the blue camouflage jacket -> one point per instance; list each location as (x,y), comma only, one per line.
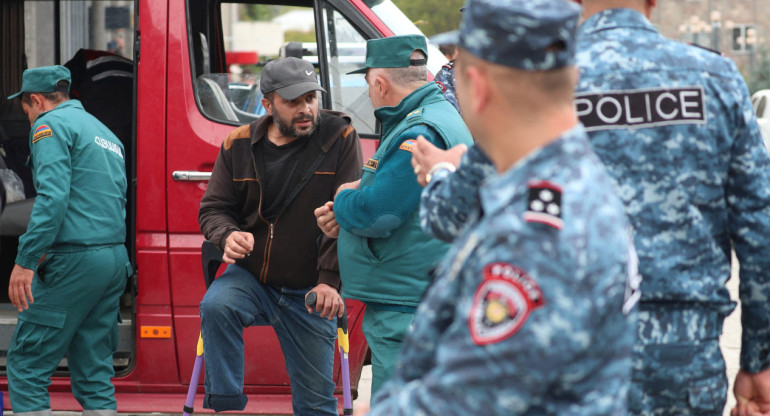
(695,185)
(450,198)
(526,315)
(445,78)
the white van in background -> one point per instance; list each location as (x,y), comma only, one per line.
(761,102)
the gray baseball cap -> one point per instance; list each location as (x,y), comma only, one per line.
(289,77)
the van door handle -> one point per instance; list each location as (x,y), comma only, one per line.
(190,176)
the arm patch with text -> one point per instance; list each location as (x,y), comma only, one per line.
(407,145)
(41,133)
(502,303)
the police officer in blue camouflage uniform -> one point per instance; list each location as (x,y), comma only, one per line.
(531,311)
(674,125)
(446,80)
(71,266)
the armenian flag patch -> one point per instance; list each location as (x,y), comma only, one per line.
(41,133)
(407,145)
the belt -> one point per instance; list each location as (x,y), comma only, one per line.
(71,248)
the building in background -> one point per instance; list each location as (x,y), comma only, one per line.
(740,29)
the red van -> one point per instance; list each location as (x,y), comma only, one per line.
(195,77)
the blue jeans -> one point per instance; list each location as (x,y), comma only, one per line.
(237,300)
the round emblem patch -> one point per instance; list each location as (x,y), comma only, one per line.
(502,303)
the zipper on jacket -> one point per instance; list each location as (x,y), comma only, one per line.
(268,248)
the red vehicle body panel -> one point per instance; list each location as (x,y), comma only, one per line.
(173,135)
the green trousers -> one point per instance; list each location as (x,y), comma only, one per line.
(384,331)
(77,291)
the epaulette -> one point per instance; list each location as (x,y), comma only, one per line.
(414,115)
(706,49)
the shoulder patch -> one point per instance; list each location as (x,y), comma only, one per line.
(243,132)
(416,114)
(407,145)
(695,45)
(41,133)
(544,204)
(502,303)
(371,164)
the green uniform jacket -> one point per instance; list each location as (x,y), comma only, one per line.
(384,255)
(80,177)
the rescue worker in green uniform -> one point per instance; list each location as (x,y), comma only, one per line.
(384,256)
(71,266)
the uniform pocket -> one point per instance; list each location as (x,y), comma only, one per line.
(37,326)
(42,269)
(709,394)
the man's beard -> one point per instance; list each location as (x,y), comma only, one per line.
(288,129)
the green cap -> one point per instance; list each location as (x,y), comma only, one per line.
(44,79)
(393,52)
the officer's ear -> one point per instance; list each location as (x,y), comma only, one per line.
(479,87)
(36,101)
(649,5)
(381,85)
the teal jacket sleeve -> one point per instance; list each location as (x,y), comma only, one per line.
(376,210)
(52,171)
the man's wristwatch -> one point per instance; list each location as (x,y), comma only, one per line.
(438,166)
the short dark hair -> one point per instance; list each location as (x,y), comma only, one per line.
(61,93)
(448,49)
(54,97)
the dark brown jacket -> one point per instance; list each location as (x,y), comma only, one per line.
(291,251)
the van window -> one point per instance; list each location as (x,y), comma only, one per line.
(397,21)
(229,53)
(346,51)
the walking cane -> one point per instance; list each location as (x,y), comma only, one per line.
(211,257)
(344,346)
(196,374)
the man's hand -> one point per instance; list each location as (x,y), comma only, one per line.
(328,302)
(349,185)
(361,410)
(20,287)
(237,246)
(752,394)
(324,216)
(425,155)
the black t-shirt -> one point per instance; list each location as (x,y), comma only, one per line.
(279,164)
